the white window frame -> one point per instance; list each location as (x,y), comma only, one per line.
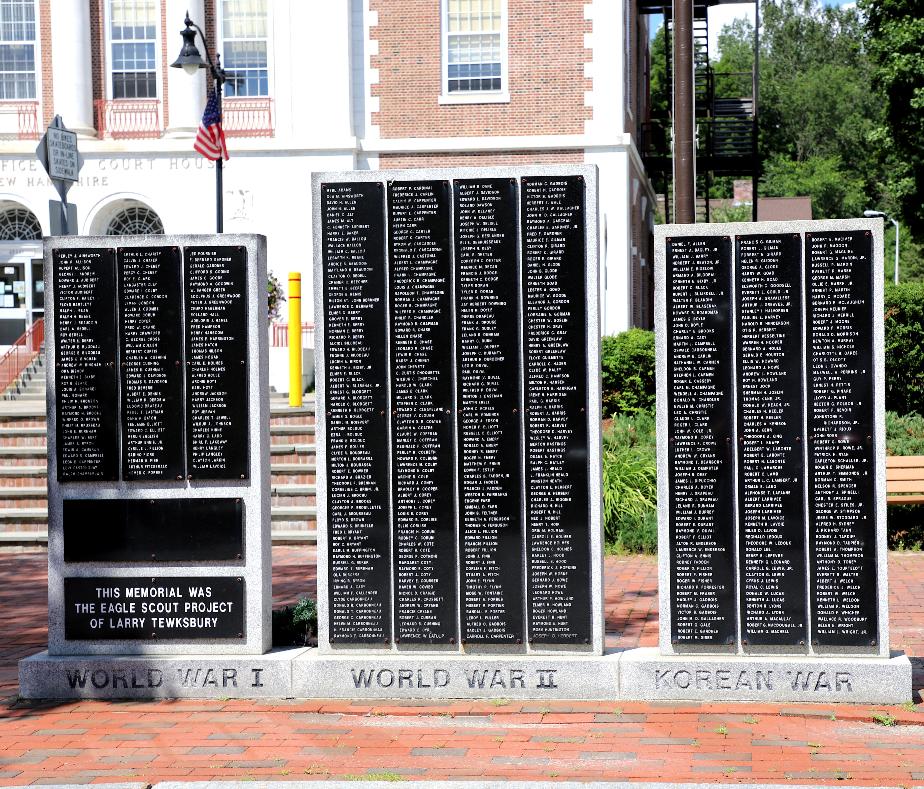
(158,66)
(220,23)
(501,96)
(36,58)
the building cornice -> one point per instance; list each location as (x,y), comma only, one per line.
(524,142)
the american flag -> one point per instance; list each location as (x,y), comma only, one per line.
(210,140)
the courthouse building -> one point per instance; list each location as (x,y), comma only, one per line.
(333,85)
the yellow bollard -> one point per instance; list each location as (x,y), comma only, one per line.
(295,339)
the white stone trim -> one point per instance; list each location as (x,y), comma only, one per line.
(525,142)
(373,103)
(606,41)
(485,97)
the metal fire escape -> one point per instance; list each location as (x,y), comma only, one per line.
(726,116)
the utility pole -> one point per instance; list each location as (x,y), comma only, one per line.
(684,114)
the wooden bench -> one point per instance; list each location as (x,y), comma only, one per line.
(905,479)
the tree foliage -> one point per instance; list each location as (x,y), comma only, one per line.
(895,37)
(836,190)
(817,110)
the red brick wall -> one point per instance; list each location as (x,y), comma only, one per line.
(98,48)
(394,161)
(210,28)
(166,42)
(47,98)
(546,58)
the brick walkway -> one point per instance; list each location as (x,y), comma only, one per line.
(105,742)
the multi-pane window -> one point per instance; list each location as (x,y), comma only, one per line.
(135,220)
(243,27)
(474,31)
(17,49)
(133,36)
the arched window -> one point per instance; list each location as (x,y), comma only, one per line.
(19,224)
(135,220)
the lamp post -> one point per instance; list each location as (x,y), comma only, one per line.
(191,61)
(884,215)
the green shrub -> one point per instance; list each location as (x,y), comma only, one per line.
(905,527)
(904,434)
(628,368)
(904,347)
(638,430)
(630,487)
(296,625)
(274,297)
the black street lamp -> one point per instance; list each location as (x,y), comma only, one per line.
(191,61)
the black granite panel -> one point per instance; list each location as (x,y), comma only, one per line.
(217,417)
(86,384)
(184,608)
(153,530)
(150,363)
(488,395)
(555,367)
(355,401)
(771,478)
(841,423)
(700,456)
(420,334)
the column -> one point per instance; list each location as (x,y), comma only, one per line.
(185,93)
(71,72)
(318,39)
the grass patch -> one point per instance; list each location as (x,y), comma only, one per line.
(883,719)
(630,485)
(382,775)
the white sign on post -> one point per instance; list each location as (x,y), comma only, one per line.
(57,151)
(61,150)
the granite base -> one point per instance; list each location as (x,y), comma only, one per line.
(647,675)
(639,674)
(158,676)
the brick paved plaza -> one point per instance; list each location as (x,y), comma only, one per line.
(106,742)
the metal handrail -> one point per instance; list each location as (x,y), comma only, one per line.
(26,113)
(128,119)
(21,353)
(279,335)
(247,117)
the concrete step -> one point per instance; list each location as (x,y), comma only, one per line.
(16,436)
(25,534)
(294,514)
(33,451)
(24,497)
(24,515)
(37,534)
(293,434)
(295,537)
(291,496)
(292,453)
(15,433)
(22,476)
(280,413)
(293,474)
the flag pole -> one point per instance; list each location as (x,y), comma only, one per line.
(219,162)
(190,60)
